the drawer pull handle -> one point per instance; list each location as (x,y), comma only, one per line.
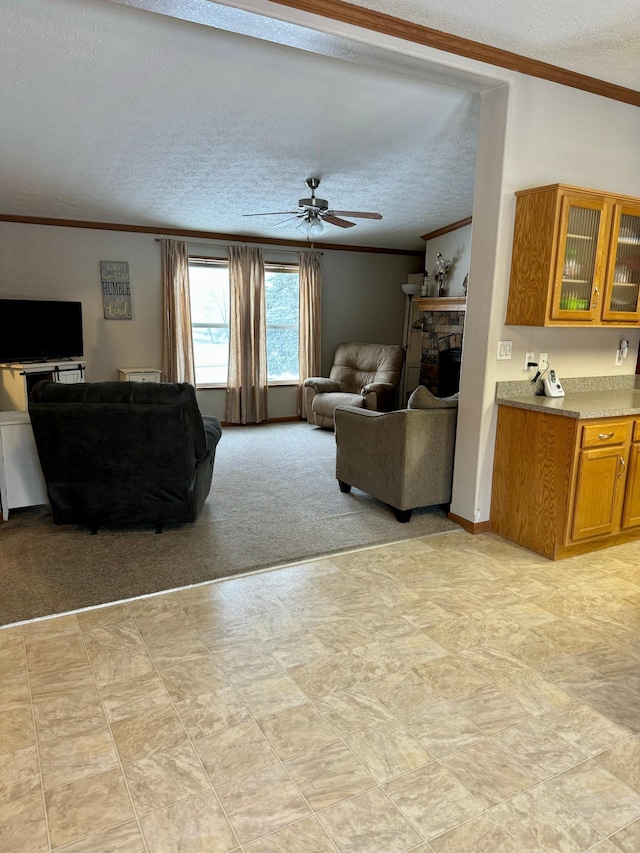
(622,467)
(605,435)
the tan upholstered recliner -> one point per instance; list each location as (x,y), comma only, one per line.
(363,375)
(404,458)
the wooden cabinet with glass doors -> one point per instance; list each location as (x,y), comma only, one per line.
(576,259)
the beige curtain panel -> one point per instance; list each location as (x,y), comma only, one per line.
(309,321)
(247,383)
(177,343)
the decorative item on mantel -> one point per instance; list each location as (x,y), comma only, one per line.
(425,287)
(442,267)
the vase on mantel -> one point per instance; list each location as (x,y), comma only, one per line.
(425,287)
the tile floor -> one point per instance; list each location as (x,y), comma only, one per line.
(442,695)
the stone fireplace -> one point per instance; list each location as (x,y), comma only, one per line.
(441,342)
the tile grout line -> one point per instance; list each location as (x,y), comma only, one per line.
(36,740)
(339,739)
(120,765)
(278,760)
(189,740)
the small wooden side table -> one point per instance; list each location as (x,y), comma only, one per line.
(139,374)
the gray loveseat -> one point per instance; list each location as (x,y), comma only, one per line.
(404,458)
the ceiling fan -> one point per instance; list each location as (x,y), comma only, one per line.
(314,212)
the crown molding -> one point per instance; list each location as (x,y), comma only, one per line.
(380,22)
(447,228)
(159,231)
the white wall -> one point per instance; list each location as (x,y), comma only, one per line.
(45,262)
(532,133)
(362,297)
(455,246)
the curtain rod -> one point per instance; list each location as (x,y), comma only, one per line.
(266,246)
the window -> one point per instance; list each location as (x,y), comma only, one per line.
(209,285)
(282,298)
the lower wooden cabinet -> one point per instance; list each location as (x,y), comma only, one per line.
(631,511)
(564,486)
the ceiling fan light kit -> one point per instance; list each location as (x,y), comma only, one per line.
(311,225)
(314,212)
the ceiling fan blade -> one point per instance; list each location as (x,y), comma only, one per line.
(357,214)
(271,213)
(334,220)
(284,221)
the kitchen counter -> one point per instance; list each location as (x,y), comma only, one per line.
(585,396)
(581,404)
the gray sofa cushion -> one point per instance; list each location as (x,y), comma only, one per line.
(422,398)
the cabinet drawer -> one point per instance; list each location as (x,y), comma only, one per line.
(636,431)
(604,434)
(142,377)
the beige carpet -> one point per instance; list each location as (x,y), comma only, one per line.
(274,500)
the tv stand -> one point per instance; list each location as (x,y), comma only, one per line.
(21,480)
(18,378)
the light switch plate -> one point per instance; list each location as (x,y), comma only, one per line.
(504,350)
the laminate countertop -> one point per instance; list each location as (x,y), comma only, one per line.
(581,404)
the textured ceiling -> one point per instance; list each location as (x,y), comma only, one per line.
(600,39)
(111,112)
(115,114)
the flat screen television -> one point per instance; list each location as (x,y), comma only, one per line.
(40,330)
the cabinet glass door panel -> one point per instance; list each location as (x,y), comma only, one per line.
(580,254)
(623,275)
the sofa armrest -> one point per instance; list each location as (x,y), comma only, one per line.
(323,385)
(379,395)
(366,413)
(213,432)
(378,388)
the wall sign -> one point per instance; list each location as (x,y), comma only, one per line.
(116,290)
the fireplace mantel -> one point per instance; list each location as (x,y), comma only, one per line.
(442,303)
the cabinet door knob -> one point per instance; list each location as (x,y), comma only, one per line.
(605,435)
(622,467)
(597,297)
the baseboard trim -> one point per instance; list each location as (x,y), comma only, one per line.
(470,526)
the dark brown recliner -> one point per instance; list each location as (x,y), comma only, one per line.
(363,375)
(123,452)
